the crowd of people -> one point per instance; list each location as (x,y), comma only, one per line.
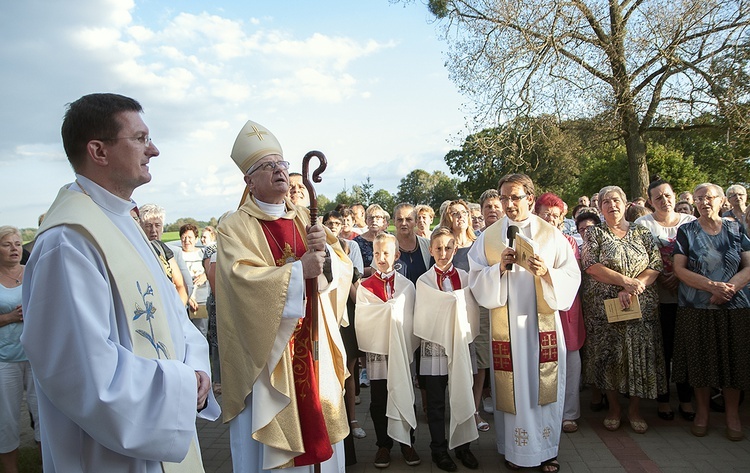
(507,307)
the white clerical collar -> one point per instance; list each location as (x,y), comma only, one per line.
(103,198)
(274,210)
(522,223)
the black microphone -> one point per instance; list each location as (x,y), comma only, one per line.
(512,230)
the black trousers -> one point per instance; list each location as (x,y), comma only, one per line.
(435,386)
(378,403)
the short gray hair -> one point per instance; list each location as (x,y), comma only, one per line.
(731,190)
(716,187)
(609,189)
(151,211)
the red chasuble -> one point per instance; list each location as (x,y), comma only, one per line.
(287,246)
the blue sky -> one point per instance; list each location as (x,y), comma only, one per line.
(363,81)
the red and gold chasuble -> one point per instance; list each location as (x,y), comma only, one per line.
(287,246)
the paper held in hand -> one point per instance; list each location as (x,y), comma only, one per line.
(615,312)
(525,249)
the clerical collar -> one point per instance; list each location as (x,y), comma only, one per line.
(274,210)
(521,224)
(103,198)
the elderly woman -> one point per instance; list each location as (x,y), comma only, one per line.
(712,262)
(377,221)
(551,209)
(737,198)
(663,224)
(622,262)
(15,371)
(492,209)
(208,236)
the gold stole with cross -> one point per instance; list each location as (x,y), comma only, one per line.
(133,281)
(502,360)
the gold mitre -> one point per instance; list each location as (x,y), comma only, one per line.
(253,143)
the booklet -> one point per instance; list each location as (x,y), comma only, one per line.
(525,249)
(615,312)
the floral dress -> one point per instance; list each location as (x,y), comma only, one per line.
(623,356)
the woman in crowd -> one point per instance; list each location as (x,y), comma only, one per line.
(456,216)
(377,221)
(193,258)
(550,208)
(663,224)
(492,209)
(737,199)
(712,262)
(15,371)
(622,262)
(208,236)
(425,216)
(335,222)
(347,224)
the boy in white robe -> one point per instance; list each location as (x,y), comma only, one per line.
(383,322)
(446,317)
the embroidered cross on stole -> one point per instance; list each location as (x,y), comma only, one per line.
(287,246)
(146,316)
(502,359)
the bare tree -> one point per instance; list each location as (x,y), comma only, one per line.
(641,62)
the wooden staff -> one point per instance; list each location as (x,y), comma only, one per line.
(312,283)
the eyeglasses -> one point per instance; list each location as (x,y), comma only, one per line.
(269,166)
(477,218)
(376,217)
(706,198)
(515,198)
(459,213)
(547,215)
(145,140)
(332,223)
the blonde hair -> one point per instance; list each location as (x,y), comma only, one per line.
(424,208)
(445,220)
(374,208)
(6,230)
(440,231)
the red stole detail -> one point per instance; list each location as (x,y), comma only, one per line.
(451,274)
(285,243)
(380,286)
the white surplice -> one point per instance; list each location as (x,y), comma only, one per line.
(533,434)
(386,328)
(451,320)
(101,407)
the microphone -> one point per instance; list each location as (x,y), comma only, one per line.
(512,230)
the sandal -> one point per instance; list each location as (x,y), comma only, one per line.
(511,466)
(357,431)
(569,426)
(482,425)
(638,426)
(550,466)
(611,424)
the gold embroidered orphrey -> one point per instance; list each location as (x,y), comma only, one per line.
(505,399)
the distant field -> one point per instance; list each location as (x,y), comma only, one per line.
(170,236)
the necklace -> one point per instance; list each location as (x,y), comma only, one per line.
(288,254)
(15,278)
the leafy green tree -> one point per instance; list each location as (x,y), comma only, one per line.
(415,188)
(638,62)
(384,199)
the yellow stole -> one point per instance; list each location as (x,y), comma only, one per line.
(133,281)
(502,361)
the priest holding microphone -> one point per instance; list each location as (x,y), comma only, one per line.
(524,290)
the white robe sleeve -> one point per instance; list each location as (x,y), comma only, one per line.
(487,285)
(80,350)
